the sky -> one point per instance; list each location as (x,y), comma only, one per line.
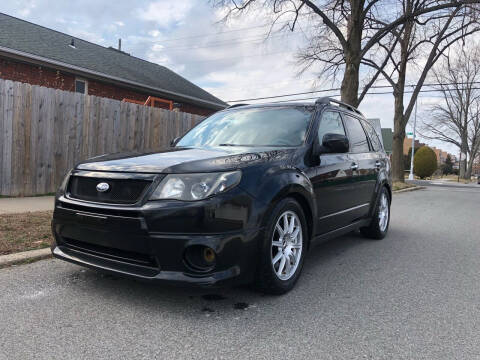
(233,60)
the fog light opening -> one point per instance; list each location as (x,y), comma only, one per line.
(209,255)
(200,258)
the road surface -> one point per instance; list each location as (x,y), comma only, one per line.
(413,295)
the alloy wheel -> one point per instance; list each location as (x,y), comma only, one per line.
(287,242)
(383,213)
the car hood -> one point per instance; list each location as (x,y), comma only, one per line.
(185,160)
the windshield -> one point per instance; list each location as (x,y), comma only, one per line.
(265,126)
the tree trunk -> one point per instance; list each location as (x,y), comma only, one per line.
(350,83)
(398,171)
(470,163)
(352,52)
(463,163)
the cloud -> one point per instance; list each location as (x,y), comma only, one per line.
(26,8)
(165,12)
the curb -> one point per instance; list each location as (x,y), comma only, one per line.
(23,257)
(409,189)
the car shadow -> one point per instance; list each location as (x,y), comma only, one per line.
(317,272)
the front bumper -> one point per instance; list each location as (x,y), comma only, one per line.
(148,242)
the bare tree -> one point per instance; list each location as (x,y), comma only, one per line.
(346,31)
(422,41)
(457,119)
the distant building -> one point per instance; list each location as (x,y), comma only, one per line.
(387,139)
(376,124)
(407,144)
(476,167)
(440,154)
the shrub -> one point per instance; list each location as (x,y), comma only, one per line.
(407,158)
(424,162)
(447,167)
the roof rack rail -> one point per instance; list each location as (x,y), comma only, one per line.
(236,105)
(326,101)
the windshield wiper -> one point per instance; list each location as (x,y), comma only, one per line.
(228,144)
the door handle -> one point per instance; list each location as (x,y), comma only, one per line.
(354,166)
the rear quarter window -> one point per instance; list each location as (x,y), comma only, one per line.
(356,135)
(373,135)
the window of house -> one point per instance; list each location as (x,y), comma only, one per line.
(358,139)
(81,86)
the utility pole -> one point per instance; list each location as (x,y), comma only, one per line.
(410,176)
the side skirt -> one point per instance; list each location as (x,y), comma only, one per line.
(341,231)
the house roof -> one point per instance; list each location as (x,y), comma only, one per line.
(39,43)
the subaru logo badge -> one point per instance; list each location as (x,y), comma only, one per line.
(102,187)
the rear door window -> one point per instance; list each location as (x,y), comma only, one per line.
(356,135)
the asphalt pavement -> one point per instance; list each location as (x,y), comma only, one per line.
(442,182)
(413,295)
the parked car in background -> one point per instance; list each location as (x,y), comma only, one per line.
(240,198)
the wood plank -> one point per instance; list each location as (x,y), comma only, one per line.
(2,135)
(6,175)
(18,138)
(60,119)
(86,126)
(27,169)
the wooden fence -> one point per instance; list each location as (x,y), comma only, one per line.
(44,132)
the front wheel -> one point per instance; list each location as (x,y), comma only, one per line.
(283,248)
(378,227)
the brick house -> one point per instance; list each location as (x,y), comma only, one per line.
(40,56)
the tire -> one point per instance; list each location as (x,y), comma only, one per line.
(378,227)
(286,251)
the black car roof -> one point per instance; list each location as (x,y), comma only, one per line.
(296,104)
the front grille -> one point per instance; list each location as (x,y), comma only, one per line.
(131,257)
(121,191)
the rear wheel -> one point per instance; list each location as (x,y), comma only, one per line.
(378,227)
(283,248)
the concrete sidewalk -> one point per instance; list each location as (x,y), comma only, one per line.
(26,204)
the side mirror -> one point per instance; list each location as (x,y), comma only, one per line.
(335,143)
(174,141)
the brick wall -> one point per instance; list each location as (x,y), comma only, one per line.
(43,76)
(36,75)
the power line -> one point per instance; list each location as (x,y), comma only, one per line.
(373,87)
(236,57)
(370,93)
(228,42)
(227,31)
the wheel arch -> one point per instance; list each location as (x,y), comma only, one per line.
(299,195)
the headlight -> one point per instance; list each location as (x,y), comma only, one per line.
(63,186)
(191,187)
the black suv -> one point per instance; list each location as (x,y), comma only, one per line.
(240,198)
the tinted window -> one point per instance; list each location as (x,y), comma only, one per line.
(331,123)
(265,126)
(356,134)
(372,134)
